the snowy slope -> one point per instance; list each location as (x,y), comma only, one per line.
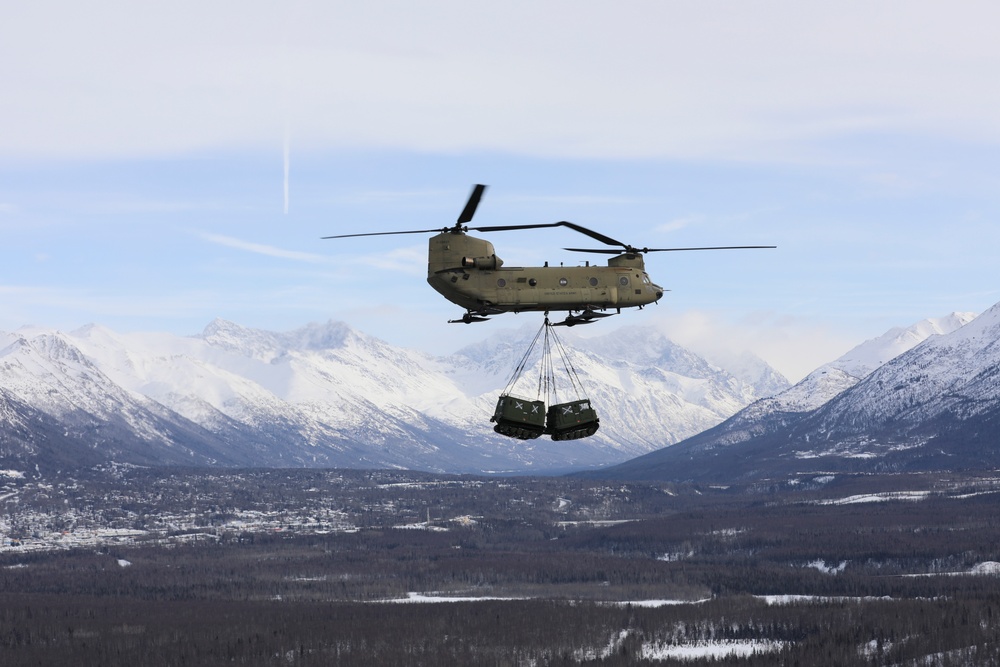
(29,437)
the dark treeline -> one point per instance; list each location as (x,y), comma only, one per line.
(882,583)
(51,629)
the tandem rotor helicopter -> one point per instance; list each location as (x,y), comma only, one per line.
(466,271)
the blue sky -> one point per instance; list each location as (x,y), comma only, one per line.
(146,154)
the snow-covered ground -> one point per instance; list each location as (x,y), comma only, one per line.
(877,498)
(432,598)
(708,649)
(681,650)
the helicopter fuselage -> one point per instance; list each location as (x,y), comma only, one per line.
(466,271)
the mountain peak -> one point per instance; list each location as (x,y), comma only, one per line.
(986,326)
(13,343)
(232,337)
(327,335)
(221,327)
(862,360)
(88,329)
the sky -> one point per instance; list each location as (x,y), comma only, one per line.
(164,164)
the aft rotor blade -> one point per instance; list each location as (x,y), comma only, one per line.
(412,231)
(605,251)
(470,206)
(723,247)
(597,236)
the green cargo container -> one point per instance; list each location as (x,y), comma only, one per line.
(571,421)
(519,417)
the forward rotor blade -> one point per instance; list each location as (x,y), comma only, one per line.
(412,231)
(597,236)
(472,204)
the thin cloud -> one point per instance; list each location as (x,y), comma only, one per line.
(575,200)
(411,260)
(794,346)
(261,249)
(676,224)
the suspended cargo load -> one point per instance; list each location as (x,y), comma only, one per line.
(526,419)
(572,421)
(519,417)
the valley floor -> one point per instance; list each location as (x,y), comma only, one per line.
(125,566)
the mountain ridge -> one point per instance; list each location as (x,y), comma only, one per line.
(328,395)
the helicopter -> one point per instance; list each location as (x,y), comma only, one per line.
(467,271)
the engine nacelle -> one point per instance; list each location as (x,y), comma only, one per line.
(488,263)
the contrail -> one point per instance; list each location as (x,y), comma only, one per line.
(287,150)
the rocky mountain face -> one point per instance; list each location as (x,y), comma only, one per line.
(327,395)
(934,405)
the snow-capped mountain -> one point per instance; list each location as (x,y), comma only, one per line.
(935,404)
(921,398)
(52,376)
(328,395)
(784,408)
